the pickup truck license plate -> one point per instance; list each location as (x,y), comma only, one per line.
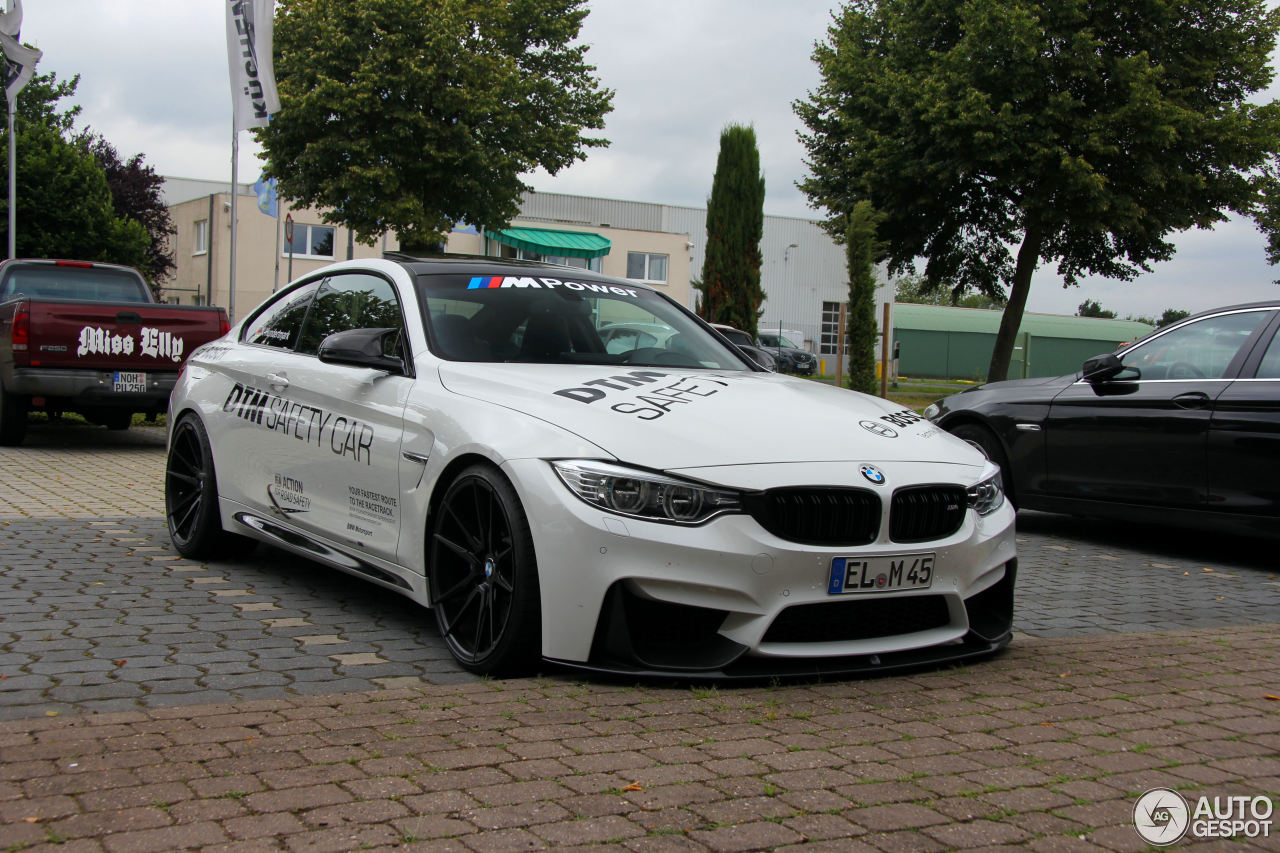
(128,381)
(880,574)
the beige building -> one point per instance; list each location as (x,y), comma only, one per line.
(266,260)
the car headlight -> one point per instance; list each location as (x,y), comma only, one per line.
(644,494)
(931,411)
(988,496)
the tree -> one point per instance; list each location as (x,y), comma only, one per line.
(731,290)
(862,250)
(136,195)
(64,204)
(917,290)
(997,135)
(1089,308)
(412,115)
(65,207)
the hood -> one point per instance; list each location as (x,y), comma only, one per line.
(669,418)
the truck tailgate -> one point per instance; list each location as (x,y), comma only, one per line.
(73,333)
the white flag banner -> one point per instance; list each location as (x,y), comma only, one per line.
(253,79)
(11,18)
(19,66)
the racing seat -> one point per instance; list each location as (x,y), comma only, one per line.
(546,338)
(457,339)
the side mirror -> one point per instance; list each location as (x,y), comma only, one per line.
(1104,368)
(360,348)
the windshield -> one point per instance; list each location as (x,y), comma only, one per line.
(776,341)
(544,320)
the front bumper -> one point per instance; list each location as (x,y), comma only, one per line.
(728,598)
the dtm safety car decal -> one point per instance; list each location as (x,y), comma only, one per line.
(155,343)
(344,436)
(658,397)
(482,282)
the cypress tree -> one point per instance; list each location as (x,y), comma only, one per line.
(862,248)
(731,291)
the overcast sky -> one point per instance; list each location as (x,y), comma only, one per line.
(153,80)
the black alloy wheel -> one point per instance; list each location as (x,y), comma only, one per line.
(191,495)
(483,575)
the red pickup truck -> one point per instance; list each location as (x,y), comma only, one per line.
(90,338)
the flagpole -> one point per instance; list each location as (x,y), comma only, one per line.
(235,179)
(13,192)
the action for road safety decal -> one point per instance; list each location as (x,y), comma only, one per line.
(344,436)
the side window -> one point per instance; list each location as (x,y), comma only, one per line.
(278,323)
(349,301)
(1270,366)
(1200,350)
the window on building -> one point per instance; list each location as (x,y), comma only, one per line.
(829,342)
(200,244)
(592,264)
(311,241)
(643,266)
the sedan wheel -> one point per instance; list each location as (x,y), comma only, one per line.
(483,575)
(986,439)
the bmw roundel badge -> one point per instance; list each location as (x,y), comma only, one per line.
(873,475)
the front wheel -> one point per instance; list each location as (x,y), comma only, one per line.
(483,575)
(191,495)
(991,446)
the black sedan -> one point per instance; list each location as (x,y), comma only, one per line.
(1181,427)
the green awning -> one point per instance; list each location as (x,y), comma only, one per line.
(544,241)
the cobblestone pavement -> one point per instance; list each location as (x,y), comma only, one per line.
(156,703)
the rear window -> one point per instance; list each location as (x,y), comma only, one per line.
(47,281)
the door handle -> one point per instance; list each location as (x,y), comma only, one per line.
(1191,400)
(278,380)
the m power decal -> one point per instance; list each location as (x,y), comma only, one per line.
(652,394)
(484,282)
(343,436)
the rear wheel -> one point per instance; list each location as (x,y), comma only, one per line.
(483,575)
(191,496)
(986,439)
(13,419)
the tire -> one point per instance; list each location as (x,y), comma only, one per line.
(191,496)
(13,419)
(117,421)
(483,575)
(986,439)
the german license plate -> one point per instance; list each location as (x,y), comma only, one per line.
(880,574)
(128,381)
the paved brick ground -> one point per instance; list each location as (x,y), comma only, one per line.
(1144,658)
(1045,748)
